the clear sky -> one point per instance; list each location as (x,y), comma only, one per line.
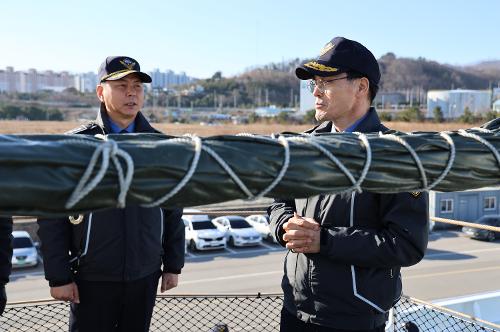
(202,37)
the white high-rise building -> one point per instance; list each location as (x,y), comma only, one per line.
(32,81)
(8,80)
(167,79)
(86,82)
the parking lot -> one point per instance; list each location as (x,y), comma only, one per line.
(454,265)
(264,246)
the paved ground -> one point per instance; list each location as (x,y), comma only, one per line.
(454,266)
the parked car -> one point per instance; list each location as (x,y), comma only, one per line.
(201,233)
(238,231)
(25,250)
(261,223)
(482,234)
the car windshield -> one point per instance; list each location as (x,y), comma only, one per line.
(488,221)
(239,223)
(204,224)
(22,242)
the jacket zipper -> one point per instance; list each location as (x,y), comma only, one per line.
(161,226)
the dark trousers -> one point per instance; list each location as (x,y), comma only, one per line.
(290,323)
(114,306)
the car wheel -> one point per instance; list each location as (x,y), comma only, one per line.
(231,242)
(491,236)
(192,245)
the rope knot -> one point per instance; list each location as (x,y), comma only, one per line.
(106,151)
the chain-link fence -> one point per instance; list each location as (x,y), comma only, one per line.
(413,315)
(237,312)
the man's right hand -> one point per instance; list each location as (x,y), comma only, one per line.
(302,235)
(67,292)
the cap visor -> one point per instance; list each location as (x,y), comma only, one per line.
(308,70)
(304,73)
(145,78)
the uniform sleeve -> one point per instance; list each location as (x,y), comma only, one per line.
(173,241)
(55,237)
(5,249)
(400,241)
(279,213)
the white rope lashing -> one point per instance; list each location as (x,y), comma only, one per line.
(284,167)
(228,170)
(412,152)
(109,150)
(418,162)
(311,141)
(368,162)
(190,139)
(493,150)
(451,160)
(106,150)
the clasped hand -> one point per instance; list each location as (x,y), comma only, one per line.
(302,235)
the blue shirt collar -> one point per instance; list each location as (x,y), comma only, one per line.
(115,129)
(352,127)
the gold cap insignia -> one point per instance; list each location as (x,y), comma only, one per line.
(326,48)
(320,67)
(415,193)
(128,63)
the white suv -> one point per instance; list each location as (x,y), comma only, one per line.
(201,233)
(261,223)
(238,231)
(25,251)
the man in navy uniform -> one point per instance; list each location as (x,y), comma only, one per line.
(108,266)
(342,272)
(5,258)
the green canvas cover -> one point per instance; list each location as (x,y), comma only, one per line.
(40,173)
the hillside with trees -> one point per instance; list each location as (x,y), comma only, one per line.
(272,84)
(407,73)
(276,83)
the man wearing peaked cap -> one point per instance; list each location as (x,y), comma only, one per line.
(108,263)
(341,59)
(342,271)
(116,67)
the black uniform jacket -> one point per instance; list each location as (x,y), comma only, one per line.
(5,249)
(365,238)
(113,244)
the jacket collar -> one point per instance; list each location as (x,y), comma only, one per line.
(371,123)
(141,124)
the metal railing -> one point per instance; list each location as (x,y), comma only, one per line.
(259,312)
(245,212)
(415,315)
(241,312)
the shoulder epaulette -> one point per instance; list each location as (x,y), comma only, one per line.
(313,129)
(82,128)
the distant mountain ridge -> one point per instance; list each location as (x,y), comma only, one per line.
(407,73)
(276,84)
(490,68)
